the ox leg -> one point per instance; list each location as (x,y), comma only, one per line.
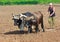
(42,26)
(29,29)
(28,23)
(37,29)
(21,27)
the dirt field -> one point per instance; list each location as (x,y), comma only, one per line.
(13,35)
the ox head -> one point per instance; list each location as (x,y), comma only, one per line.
(25,16)
(15,18)
(18,17)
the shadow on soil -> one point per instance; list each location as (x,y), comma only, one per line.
(17,32)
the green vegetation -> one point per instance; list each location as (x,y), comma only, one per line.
(17,2)
(48,1)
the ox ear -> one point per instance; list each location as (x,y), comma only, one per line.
(12,15)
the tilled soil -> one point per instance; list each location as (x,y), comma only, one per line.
(11,33)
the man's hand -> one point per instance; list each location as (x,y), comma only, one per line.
(51,15)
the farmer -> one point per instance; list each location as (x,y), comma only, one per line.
(51,11)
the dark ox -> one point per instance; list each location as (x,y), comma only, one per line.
(28,19)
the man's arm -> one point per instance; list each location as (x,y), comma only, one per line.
(53,11)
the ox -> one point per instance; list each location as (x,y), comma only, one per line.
(28,19)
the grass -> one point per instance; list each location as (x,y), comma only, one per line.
(48,1)
(17,2)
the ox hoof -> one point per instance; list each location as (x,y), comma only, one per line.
(22,32)
(43,30)
(37,31)
(29,30)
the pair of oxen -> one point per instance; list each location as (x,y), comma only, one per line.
(29,20)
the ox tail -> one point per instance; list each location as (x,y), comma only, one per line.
(42,23)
